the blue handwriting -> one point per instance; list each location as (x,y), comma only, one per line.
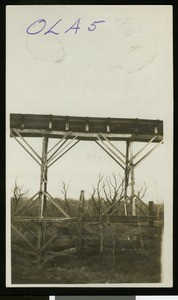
(32,30)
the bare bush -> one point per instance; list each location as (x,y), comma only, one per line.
(19,193)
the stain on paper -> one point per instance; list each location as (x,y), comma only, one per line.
(137,52)
(45,48)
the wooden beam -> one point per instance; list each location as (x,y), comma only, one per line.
(58,206)
(63,138)
(25,142)
(79,242)
(29,230)
(25,148)
(23,237)
(88,136)
(122,126)
(152,140)
(27,203)
(48,243)
(35,219)
(147,154)
(56,153)
(62,154)
(111,151)
(116,160)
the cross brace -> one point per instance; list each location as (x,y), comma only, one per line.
(48,157)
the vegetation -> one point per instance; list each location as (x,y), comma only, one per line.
(131,266)
(131,252)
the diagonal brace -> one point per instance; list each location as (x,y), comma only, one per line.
(25,148)
(144,146)
(63,153)
(64,137)
(113,205)
(25,205)
(23,237)
(28,145)
(110,155)
(32,233)
(109,149)
(147,154)
(58,206)
(106,139)
(55,154)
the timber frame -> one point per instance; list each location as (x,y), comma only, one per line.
(69,131)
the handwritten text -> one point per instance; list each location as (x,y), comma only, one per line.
(41,26)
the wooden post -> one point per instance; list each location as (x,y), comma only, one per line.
(132,180)
(101,235)
(43,179)
(113,246)
(151,213)
(42,200)
(79,243)
(39,240)
(126,178)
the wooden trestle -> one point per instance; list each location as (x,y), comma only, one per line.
(69,131)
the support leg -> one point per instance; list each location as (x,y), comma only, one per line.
(126,178)
(42,200)
(132,179)
(79,244)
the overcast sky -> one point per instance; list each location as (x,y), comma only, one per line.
(121,69)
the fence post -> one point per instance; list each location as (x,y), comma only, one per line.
(151,214)
(101,235)
(79,242)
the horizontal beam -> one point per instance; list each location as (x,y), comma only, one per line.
(87,128)
(116,219)
(87,136)
(44,220)
(87,219)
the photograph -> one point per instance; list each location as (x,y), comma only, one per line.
(89,146)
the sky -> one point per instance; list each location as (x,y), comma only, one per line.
(122,68)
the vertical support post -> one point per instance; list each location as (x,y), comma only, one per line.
(43,179)
(113,245)
(101,233)
(132,178)
(151,213)
(79,244)
(42,199)
(39,239)
(45,172)
(126,178)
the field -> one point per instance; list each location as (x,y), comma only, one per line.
(131,264)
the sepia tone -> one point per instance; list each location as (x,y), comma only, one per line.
(89,146)
(111,230)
